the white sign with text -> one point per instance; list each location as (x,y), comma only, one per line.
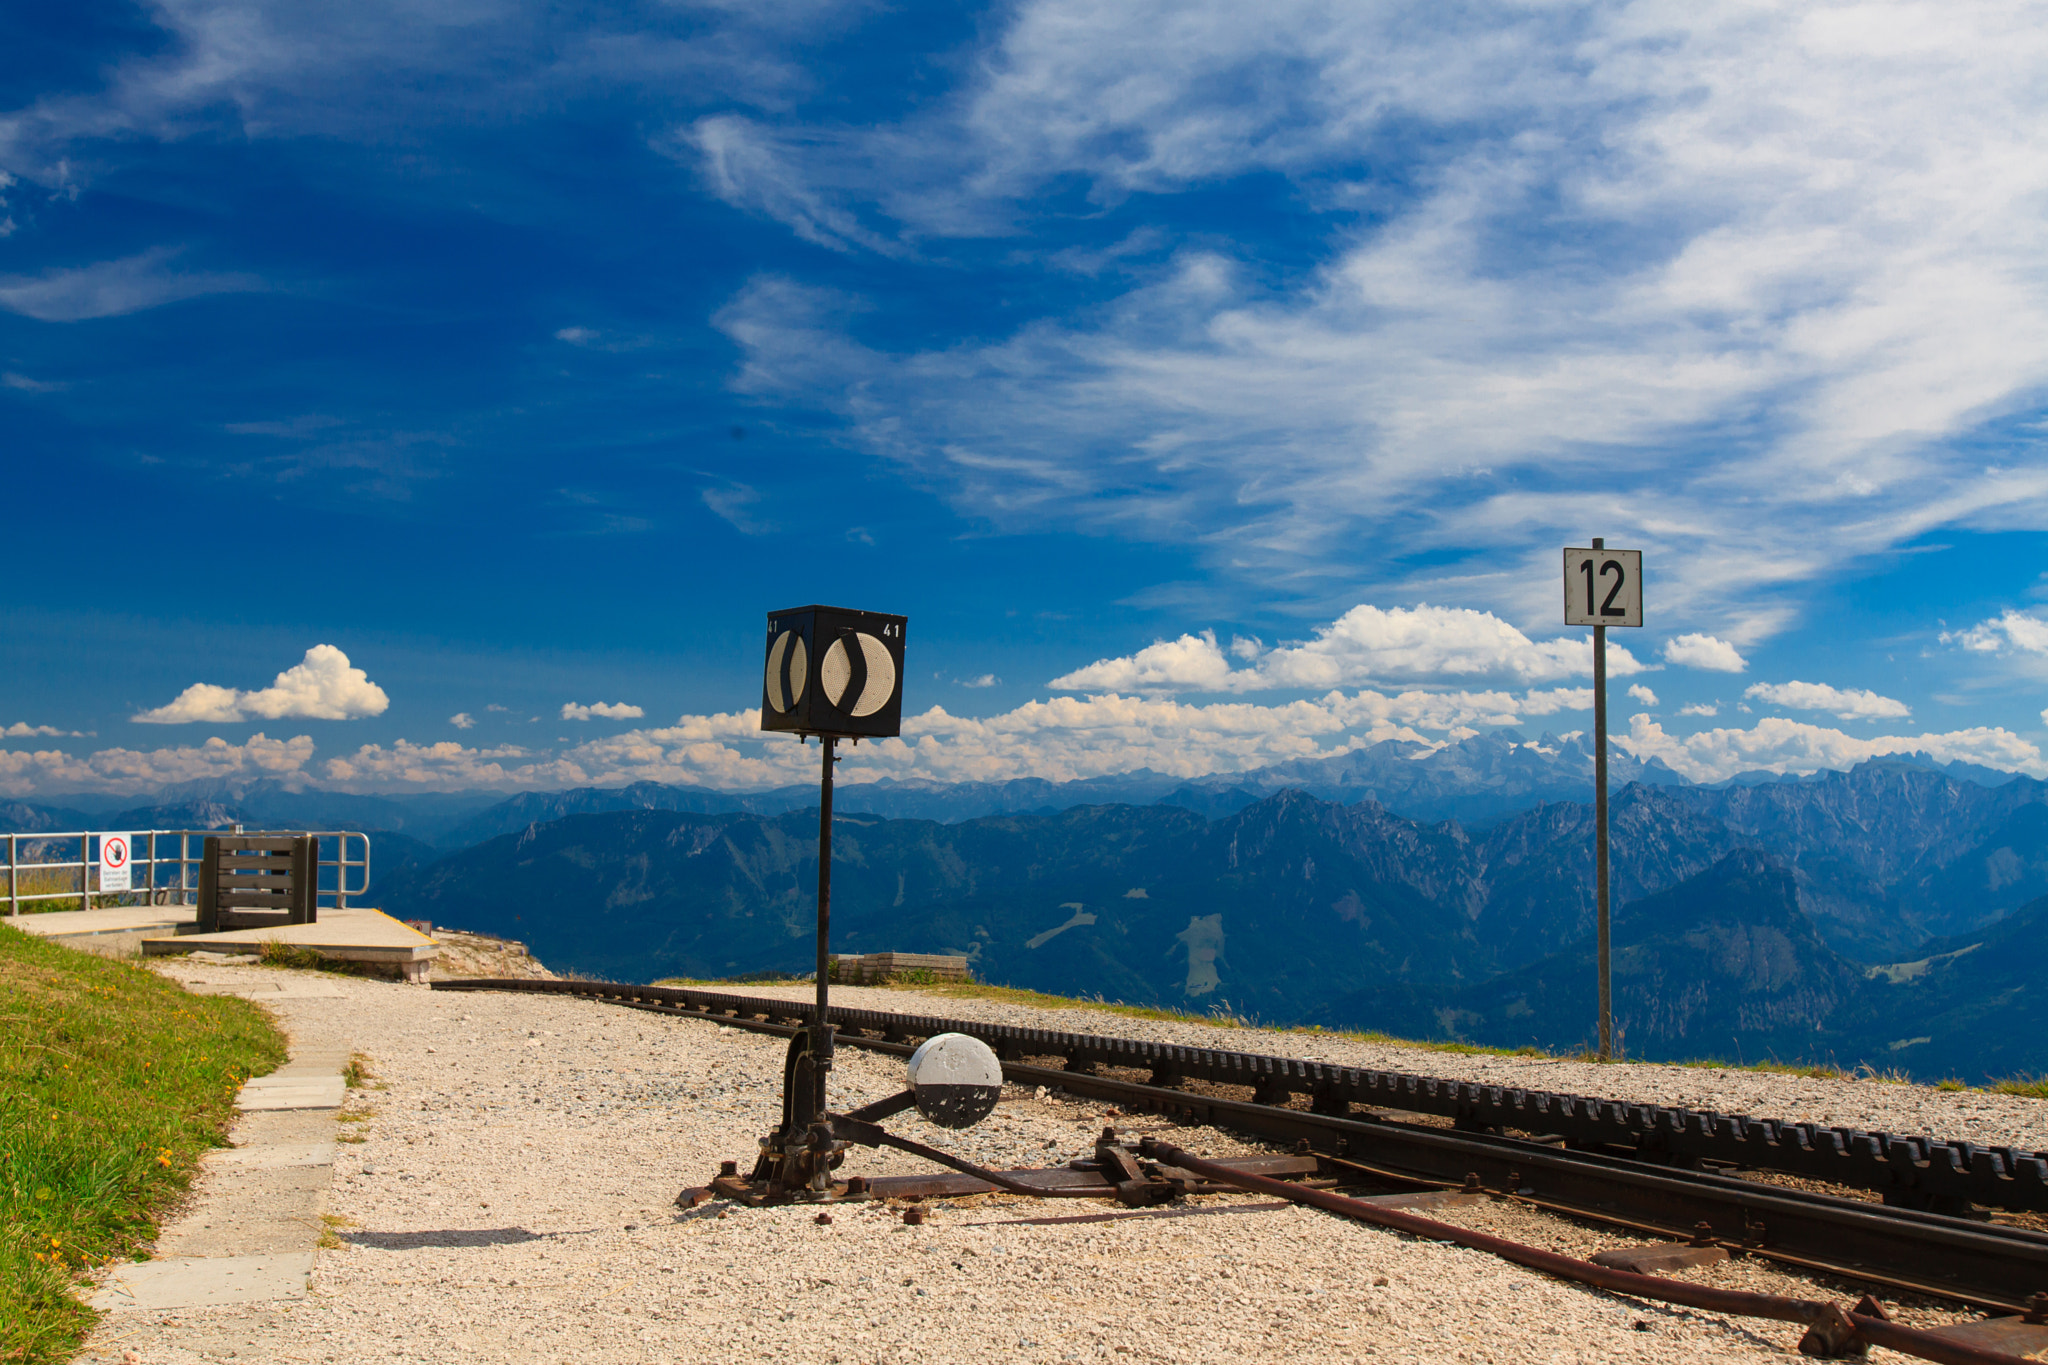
(1603,587)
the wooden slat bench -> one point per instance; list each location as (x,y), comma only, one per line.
(256,881)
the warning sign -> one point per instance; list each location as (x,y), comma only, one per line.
(114,872)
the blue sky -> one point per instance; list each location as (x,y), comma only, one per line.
(387,386)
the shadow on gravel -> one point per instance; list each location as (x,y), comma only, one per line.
(445,1237)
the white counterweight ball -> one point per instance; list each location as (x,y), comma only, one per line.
(957,1080)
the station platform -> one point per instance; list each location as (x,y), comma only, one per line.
(111,931)
(352,934)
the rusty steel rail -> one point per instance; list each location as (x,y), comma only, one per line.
(1919,1172)
(1832,1330)
(1993,1267)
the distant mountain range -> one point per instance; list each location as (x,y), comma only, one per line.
(1752,921)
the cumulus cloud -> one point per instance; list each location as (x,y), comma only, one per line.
(1060,739)
(608,710)
(1366,644)
(1845,703)
(1700,708)
(2015,630)
(1704,651)
(21,729)
(985,680)
(322,686)
(462,720)
(1779,745)
(1642,694)
(130,771)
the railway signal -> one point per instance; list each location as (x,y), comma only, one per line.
(1602,588)
(836,673)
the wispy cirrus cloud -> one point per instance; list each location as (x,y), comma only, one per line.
(1625,229)
(111,288)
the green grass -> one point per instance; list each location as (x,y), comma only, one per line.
(113,1082)
(276,953)
(2033,1087)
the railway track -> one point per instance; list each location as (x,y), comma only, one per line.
(1649,1191)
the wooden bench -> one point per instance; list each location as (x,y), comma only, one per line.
(258,881)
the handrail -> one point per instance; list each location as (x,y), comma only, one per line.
(146,860)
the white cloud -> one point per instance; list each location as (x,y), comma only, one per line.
(1779,745)
(132,771)
(1845,703)
(1365,644)
(576,336)
(1642,694)
(112,288)
(1636,225)
(2016,630)
(1060,739)
(21,729)
(752,168)
(322,686)
(985,680)
(1702,708)
(1704,651)
(462,720)
(608,710)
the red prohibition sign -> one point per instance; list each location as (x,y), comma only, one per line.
(113,853)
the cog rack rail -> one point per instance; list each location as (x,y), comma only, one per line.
(1916,1172)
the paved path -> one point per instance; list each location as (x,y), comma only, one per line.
(252,1231)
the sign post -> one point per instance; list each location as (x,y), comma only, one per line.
(1602,588)
(114,863)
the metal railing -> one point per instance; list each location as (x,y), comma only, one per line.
(176,852)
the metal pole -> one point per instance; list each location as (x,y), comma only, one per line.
(1600,830)
(13,891)
(829,745)
(85,871)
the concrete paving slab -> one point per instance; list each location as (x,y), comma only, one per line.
(308,989)
(274,1154)
(292,1093)
(203,1282)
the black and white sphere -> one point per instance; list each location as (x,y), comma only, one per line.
(957,1080)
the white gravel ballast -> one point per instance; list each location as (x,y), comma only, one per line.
(511,1199)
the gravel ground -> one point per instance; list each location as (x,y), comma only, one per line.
(1872,1105)
(510,1199)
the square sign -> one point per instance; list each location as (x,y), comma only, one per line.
(115,874)
(1603,587)
(834,671)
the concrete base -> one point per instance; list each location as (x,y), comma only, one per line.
(355,935)
(1660,1258)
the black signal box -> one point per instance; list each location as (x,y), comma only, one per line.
(834,672)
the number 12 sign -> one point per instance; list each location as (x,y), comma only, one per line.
(1603,587)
